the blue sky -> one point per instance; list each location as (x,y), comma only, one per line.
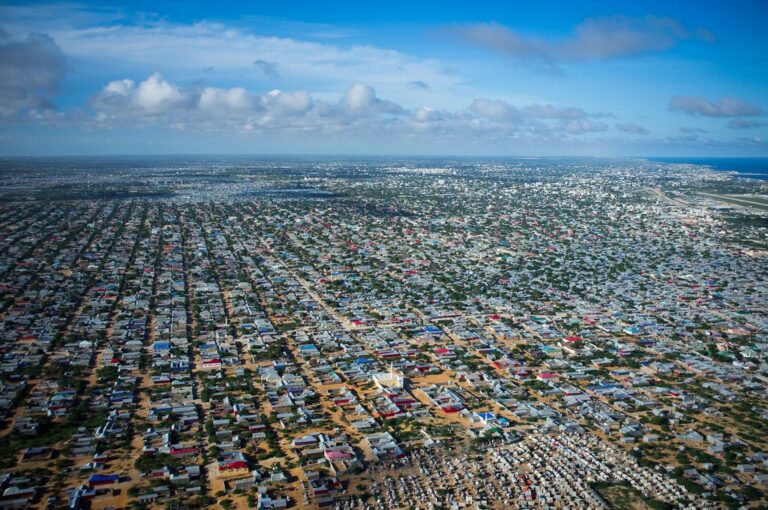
(597,78)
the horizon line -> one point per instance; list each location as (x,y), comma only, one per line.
(362,155)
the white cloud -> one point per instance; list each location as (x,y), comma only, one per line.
(497,110)
(235,99)
(181,51)
(357,110)
(288,103)
(155,94)
(159,101)
(359,97)
(120,87)
(427,114)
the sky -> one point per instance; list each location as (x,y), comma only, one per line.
(522,78)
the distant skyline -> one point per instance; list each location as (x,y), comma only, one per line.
(521,78)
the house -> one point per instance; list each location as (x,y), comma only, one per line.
(233,469)
(99,480)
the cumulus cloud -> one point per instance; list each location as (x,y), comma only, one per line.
(593,39)
(30,71)
(156,97)
(632,128)
(156,100)
(745,124)
(153,96)
(360,99)
(428,114)
(288,103)
(723,107)
(496,110)
(216,100)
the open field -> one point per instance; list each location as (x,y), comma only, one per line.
(750,202)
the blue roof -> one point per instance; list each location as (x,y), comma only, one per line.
(103,478)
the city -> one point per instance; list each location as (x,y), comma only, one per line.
(383,334)
(431,255)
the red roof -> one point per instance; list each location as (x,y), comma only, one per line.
(238,464)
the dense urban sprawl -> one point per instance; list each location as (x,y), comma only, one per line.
(361,335)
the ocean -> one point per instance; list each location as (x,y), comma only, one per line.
(754,168)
